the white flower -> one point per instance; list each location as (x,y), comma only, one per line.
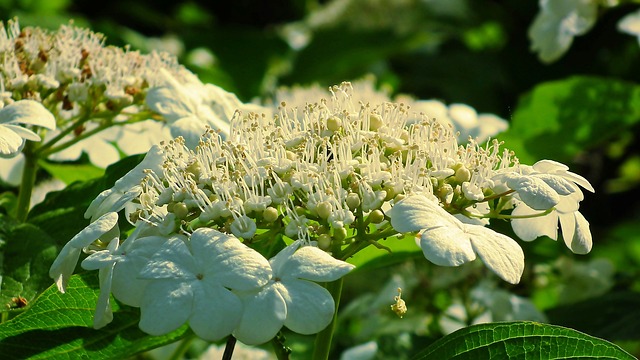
(557,23)
(119,267)
(291,298)
(193,282)
(630,24)
(189,108)
(446,241)
(13,136)
(65,263)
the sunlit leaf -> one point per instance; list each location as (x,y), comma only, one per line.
(61,323)
(520,340)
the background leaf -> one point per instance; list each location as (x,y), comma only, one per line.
(61,323)
(559,119)
(519,340)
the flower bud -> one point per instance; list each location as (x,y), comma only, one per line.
(270,214)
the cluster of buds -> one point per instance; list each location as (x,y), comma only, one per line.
(327,180)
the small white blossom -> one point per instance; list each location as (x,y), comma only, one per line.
(630,24)
(27,112)
(291,298)
(192,281)
(448,242)
(557,23)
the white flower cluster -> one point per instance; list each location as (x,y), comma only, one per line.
(328,179)
(97,95)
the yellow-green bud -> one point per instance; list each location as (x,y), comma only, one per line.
(324,209)
(462,174)
(324,241)
(181,210)
(270,214)
(339,233)
(376,216)
(334,123)
(375,122)
(353,201)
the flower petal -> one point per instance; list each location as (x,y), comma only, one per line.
(499,252)
(310,307)
(263,316)
(28,112)
(581,242)
(63,266)
(446,246)
(529,229)
(216,311)
(94,230)
(190,128)
(104,314)
(172,261)
(10,142)
(313,264)
(417,212)
(166,305)
(534,192)
(232,263)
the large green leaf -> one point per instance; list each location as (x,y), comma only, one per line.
(374,257)
(58,326)
(559,119)
(69,173)
(27,254)
(521,340)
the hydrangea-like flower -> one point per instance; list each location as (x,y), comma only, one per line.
(27,112)
(192,281)
(447,241)
(291,298)
(557,23)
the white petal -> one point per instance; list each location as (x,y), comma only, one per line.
(534,192)
(568,226)
(28,112)
(630,24)
(446,246)
(10,142)
(226,259)
(101,153)
(417,212)
(579,180)
(166,305)
(22,132)
(313,264)
(531,228)
(125,285)
(549,166)
(11,169)
(94,230)
(172,261)
(558,183)
(263,316)
(190,128)
(582,241)
(63,266)
(104,314)
(152,161)
(216,311)
(310,307)
(499,252)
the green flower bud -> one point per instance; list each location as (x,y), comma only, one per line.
(353,201)
(334,123)
(181,210)
(270,214)
(324,209)
(376,216)
(324,241)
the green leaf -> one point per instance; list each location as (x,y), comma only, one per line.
(617,319)
(559,119)
(58,326)
(373,257)
(69,173)
(521,340)
(27,254)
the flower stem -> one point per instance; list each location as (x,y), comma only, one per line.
(228,349)
(322,344)
(28,181)
(179,352)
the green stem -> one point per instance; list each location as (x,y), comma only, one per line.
(322,344)
(28,181)
(282,352)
